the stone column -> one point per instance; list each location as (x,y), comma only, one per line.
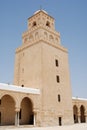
(79,121)
(34,119)
(35,111)
(78,118)
(17,117)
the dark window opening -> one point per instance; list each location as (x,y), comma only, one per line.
(60,121)
(22,85)
(48,24)
(59,99)
(56,63)
(20,114)
(57,79)
(34,24)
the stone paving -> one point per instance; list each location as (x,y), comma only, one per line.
(71,127)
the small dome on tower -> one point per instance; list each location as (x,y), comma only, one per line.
(40,10)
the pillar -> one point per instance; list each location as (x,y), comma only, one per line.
(35,111)
(17,117)
(78,118)
(34,119)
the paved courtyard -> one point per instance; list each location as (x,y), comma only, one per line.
(71,127)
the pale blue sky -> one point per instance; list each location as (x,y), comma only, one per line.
(70,20)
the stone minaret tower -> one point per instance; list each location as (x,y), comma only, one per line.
(42,62)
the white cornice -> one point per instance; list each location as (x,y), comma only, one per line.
(19,89)
(76,98)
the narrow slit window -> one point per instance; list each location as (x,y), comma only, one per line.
(56,63)
(60,121)
(59,99)
(57,79)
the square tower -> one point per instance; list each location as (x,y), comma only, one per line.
(42,62)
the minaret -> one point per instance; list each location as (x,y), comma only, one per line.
(41,30)
(42,62)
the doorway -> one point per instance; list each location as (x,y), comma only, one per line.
(60,121)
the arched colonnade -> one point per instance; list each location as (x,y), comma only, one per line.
(16,110)
(79,114)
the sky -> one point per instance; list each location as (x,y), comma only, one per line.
(70,20)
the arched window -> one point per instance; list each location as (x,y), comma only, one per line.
(34,23)
(48,23)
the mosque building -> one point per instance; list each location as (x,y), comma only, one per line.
(41,94)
